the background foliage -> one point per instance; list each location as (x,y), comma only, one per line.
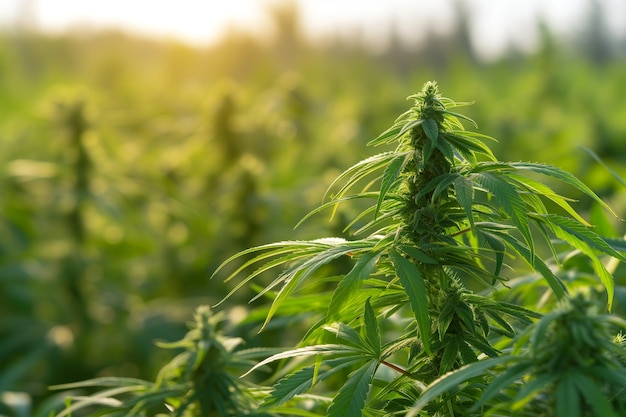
(132,167)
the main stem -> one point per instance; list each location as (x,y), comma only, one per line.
(425,220)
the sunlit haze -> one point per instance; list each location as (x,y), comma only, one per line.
(494,25)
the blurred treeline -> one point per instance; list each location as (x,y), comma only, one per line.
(131,167)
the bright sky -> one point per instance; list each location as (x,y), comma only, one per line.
(494,23)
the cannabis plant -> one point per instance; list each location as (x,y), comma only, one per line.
(418,324)
(424,321)
(202,380)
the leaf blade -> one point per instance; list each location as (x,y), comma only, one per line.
(351,397)
(413,283)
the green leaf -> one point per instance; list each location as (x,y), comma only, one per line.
(501,382)
(563,176)
(599,160)
(387,136)
(351,397)
(302,270)
(617,244)
(452,379)
(482,345)
(555,283)
(437,185)
(464,191)
(504,325)
(348,285)
(567,401)
(335,202)
(532,388)
(499,248)
(460,116)
(390,176)
(584,239)
(372,332)
(432,131)
(446,315)
(326,349)
(508,198)
(576,233)
(427,152)
(467,353)
(107,381)
(410,125)
(446,149)
(104,398)
(540,329)
(594,396)
(417,254)
(543,190)
(348,335)
(413,283)
(302,380)
(292,251)
(450,354)
(359,171)
(463,142)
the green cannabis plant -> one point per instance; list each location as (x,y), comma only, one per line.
(426,320)
(202,380)
(418,325)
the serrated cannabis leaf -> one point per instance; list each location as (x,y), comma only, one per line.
(372,332)
(302,380)
(349,284)
(509,199)
(464,191)
(413,283)
(350,398)
(431,130)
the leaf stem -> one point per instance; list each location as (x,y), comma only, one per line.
(460,232)
(396,368)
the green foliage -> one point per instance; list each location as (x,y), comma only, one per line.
(569,362)
(201,380)
(444,210)
(131,167)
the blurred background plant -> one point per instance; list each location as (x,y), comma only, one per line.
(132,166)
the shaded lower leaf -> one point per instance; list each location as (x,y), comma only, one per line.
(464,191)
(449,356)
(452,379)
(594,396)
(372,332)
(502,381)
(567,401)
(350,399)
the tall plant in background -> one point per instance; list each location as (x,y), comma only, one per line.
(408,328)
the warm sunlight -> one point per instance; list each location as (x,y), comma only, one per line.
(315,208)
(191,20)
(497,23)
